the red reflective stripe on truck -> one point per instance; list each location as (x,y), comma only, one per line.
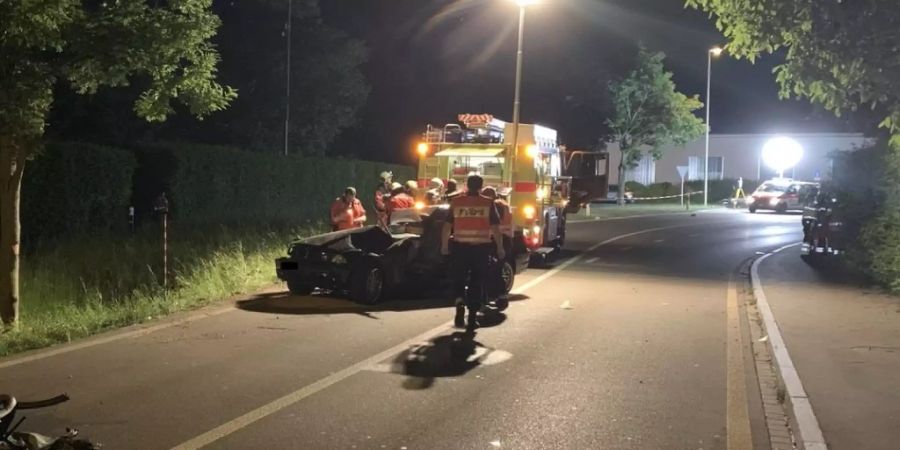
(525,187)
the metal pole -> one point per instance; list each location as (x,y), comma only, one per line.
(517,102)
(706,161)
(165,218)
(682,191)
(287,84)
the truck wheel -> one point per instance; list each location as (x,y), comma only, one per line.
(299,288)
(367,282)
(781,208)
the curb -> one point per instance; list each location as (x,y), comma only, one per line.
(803,419)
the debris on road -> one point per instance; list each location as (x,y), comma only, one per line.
(495,444)
(566,305)
(764,338)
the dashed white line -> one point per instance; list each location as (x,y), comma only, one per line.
(592,260)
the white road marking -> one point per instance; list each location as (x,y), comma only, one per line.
(659,241)
(737,421)
(276,405)
(810,433)
(592,260)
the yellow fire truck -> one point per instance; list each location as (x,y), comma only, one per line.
(480,143)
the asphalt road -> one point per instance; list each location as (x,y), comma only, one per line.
(623,345)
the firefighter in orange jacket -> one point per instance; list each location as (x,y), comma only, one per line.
(383,197)
(347,211)
(476,234)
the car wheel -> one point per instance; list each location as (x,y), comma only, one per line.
(781,208)
(752,209)
(299,288)
(367,282)
(508,273)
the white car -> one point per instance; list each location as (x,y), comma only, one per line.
(612,195)
(781,195)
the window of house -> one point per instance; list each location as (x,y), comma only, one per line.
(696,168)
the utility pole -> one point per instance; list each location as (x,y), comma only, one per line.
(287,84)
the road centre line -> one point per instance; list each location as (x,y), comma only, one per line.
(278,404)
(810,433)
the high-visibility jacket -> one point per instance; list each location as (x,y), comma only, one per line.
(472,219)
(401,201)
(343,216)
(506,219)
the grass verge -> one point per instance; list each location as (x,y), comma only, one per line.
(75,289)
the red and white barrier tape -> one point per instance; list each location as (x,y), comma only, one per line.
(686,194)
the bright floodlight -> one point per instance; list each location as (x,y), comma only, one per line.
(524,3)
(781,153)
(716,51)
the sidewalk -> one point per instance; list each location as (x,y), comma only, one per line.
(844,341)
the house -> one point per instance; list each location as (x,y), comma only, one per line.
(737,155)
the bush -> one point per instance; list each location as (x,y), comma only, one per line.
(718,190)
(868,184)
(76,189)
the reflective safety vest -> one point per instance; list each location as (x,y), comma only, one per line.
(472,219)
(506,219)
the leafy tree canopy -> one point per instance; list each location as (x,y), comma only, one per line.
(842,54)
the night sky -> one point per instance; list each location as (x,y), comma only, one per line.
(432,59)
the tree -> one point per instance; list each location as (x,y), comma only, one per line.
(163,46)
(328,88)
(649,113)
(843,55)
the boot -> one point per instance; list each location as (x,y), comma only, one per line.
(460,320)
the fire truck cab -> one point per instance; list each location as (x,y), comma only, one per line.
(531,168)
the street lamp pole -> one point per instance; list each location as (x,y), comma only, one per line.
(517,101)
(287,84)
(715,51)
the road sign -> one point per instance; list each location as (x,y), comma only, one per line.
(682,172)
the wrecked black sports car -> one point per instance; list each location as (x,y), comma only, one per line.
(370,263)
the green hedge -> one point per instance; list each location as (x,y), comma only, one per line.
(219,185)
(76,189)
(718,190)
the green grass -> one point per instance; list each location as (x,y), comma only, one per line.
(75,289)
(607,211)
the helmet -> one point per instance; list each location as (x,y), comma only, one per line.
(436,183)
(504,192)
(489,192)
(412,185)
(386,176)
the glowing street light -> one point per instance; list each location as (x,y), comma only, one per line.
(782,153)
(715,51)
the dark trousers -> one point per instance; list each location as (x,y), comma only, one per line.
(496,286)
(470,263)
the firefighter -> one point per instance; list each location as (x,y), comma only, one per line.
(382,197)
(435,192)
(474,223)
(399,199)
(411,188)
(452,190)
(497,291)
(347,212)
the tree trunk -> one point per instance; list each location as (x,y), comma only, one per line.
(620,196)
(11,167)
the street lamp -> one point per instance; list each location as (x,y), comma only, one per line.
(715,51)
(517,101)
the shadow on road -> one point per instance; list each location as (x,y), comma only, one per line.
(285,303)
(445,356)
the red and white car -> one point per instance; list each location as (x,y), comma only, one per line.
(781,195)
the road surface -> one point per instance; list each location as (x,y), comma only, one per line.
(633,340)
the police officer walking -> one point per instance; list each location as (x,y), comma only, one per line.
(475,226)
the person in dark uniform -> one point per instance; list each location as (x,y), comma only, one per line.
(475,226)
